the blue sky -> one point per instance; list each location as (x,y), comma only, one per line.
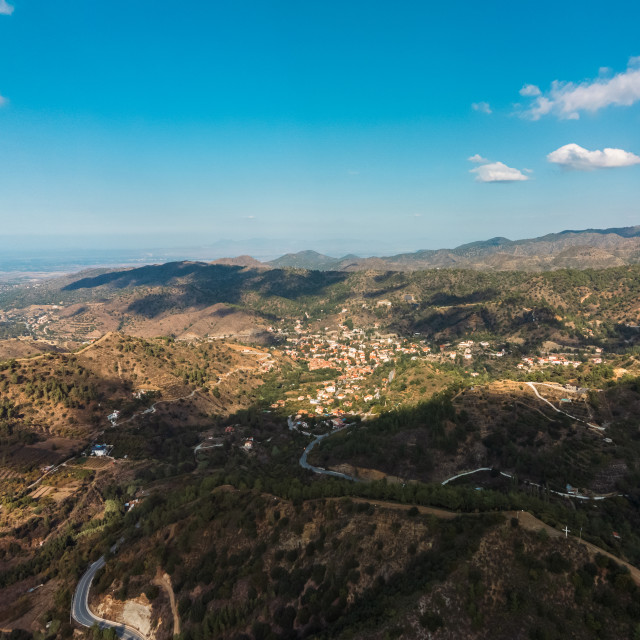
(338,126)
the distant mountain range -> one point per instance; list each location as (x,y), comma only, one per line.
(590,248)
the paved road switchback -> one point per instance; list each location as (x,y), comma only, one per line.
(82,614)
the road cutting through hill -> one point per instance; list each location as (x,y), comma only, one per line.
(84,616)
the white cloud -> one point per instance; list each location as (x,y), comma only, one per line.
(5,9)
(530,90)
(497,172)
(477,158)
(566,99)
(482,107)
(3,101)
(573,156)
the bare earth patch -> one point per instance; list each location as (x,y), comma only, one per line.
(164,581)
(136,612)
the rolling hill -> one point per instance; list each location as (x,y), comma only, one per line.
(589,248)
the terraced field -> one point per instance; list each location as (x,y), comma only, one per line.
(8,474)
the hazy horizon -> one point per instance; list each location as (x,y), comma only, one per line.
(68,254)
(342,128)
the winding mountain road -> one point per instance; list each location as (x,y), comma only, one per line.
(325,472)
(152,409)
(82,614)
(303,458)
(576,496)
(532,385)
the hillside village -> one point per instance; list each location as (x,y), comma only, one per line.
(354,367)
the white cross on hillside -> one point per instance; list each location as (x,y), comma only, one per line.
(566,531)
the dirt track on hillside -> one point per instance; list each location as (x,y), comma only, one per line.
(164,581)
(527,521)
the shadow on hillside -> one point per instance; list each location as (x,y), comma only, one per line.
(150,275)
(452,321)
(442,299)
(201,284)
(390,278)
(383,292)
(388,275)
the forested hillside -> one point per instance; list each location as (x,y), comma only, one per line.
(195,298)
